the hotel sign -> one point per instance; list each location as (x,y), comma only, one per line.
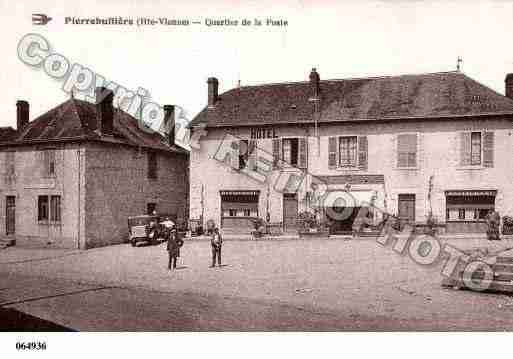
(263,132)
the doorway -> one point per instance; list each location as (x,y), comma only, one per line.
(10,215)
(290,209)
(406,207)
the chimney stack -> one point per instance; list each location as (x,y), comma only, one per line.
(22,114)
(104,110)
(213,88)
(169,123)
(509,86)
(315,83)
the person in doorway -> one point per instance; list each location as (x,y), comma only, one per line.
(174,243)
(493,221)
(216,242)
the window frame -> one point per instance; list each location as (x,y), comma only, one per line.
(355,149)
(282,150)
(480,162)
(52,215)
(406,153)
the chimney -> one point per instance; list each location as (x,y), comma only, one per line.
(169,123)
(213,88)
(104,111)
(509,86)
(315,83)
(22,114)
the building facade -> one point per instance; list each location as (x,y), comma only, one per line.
(409,145)
(74,175)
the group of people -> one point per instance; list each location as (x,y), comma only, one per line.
(175,242)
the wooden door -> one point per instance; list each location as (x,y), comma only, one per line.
(406,207)
(290,209)
(10,214)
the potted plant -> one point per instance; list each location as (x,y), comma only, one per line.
(309,226)
(507,225)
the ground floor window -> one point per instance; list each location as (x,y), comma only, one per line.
(238,207)
(49,208)
(466,211)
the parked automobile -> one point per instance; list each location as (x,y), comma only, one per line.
(147,229)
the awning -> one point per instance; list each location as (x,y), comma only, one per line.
(347,199)
(471,193)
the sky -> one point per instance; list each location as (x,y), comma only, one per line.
(342,39)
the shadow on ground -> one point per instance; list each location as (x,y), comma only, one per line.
(12,320)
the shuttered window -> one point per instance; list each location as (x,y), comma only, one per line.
(407,150)
(243,153)
(348,151)
(293,152)
(477,148)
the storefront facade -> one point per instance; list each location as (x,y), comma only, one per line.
(283,153)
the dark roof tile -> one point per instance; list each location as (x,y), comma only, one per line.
(395,97)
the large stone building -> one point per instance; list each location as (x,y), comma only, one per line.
(74,175)
(410,145)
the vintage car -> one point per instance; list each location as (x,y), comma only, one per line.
(148,229)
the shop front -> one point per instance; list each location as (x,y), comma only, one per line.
(341,208)
(239,209)
(466,210)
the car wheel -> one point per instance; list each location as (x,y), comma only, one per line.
(134,243)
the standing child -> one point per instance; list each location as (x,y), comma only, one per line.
(174,242)
(216,242)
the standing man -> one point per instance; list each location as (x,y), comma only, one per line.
(216,241)
(174,242)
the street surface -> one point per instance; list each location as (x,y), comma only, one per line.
(264,285)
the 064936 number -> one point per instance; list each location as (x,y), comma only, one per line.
(30,345)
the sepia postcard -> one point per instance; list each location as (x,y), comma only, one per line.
(254,166)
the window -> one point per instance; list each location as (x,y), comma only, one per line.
(407,150)
(290,149)
(243,153)
(290,152)
(42,208)
(475,148)
(55,208)
(347,151)
(152,165)
(9,163)
(48,163)
(461,213)
(151,207)
(232,212)
(49,208)
(247,213)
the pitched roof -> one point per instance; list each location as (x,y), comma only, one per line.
(435,95)
(6,133)
(75,120)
